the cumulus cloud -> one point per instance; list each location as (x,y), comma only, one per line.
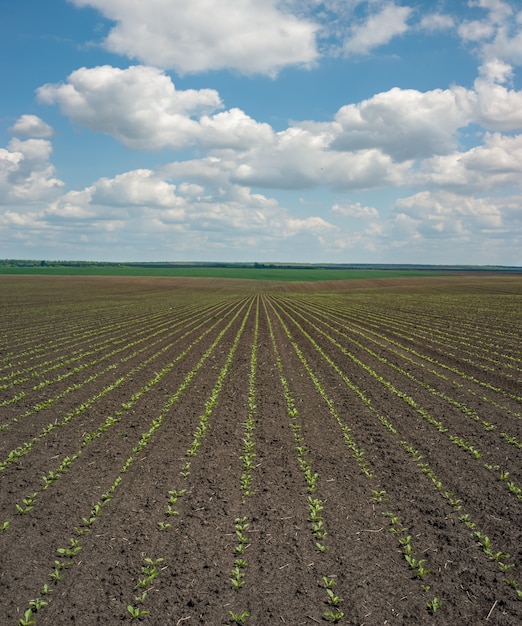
(369,144)
(121,199)
(141,107)
(31,126)
(476,30)
(136,188)
(498,35)
(492,166)
(251,36)
(405,123)
(233,129)
(497,107)
(443,214)
(355,209)
(507,44)
(498,9)
(436,22)
(26,173)
(379,29)
(170,208)
(299,159)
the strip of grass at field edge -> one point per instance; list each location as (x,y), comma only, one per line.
(274,274)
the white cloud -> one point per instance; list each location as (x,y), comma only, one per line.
(141,107)
(476,30)
(496,71)
(379,29)
(498,108)
(498,14)
(31,126)
(299,158)
(436,22)
(498,35)
(313,225)
(405,123)
(142,206)
(498,10)
(500,155)
(251,36)
(26,174)
(445,214)
(355,209)
(370,144)
(507,44)
(136,188)
(492,166)
(233,129)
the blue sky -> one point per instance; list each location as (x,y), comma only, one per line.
(254,130)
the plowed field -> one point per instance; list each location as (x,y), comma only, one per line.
(178,451)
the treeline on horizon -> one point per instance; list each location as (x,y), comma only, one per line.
(253,265)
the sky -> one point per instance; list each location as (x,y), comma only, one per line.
(342,131)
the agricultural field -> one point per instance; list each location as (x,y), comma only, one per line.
(208,451)
(292,274)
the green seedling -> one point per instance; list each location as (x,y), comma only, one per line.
(332,598)
(37,604)
(49,479)
(242,538)
(237,578)
(505,567)
(329,583)
(56,576)
(334,616)
(421,571)
(434,605)
(412,561)
(379,496)
(70,552)
(136,612)
(21,510)
(164,526)
(143,583)
(4,526)
(26,620)
(185,470)
(239,618)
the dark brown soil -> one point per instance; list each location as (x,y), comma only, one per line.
(415,381)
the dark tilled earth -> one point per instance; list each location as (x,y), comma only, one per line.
(284,572)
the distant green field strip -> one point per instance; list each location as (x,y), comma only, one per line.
(276,274)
